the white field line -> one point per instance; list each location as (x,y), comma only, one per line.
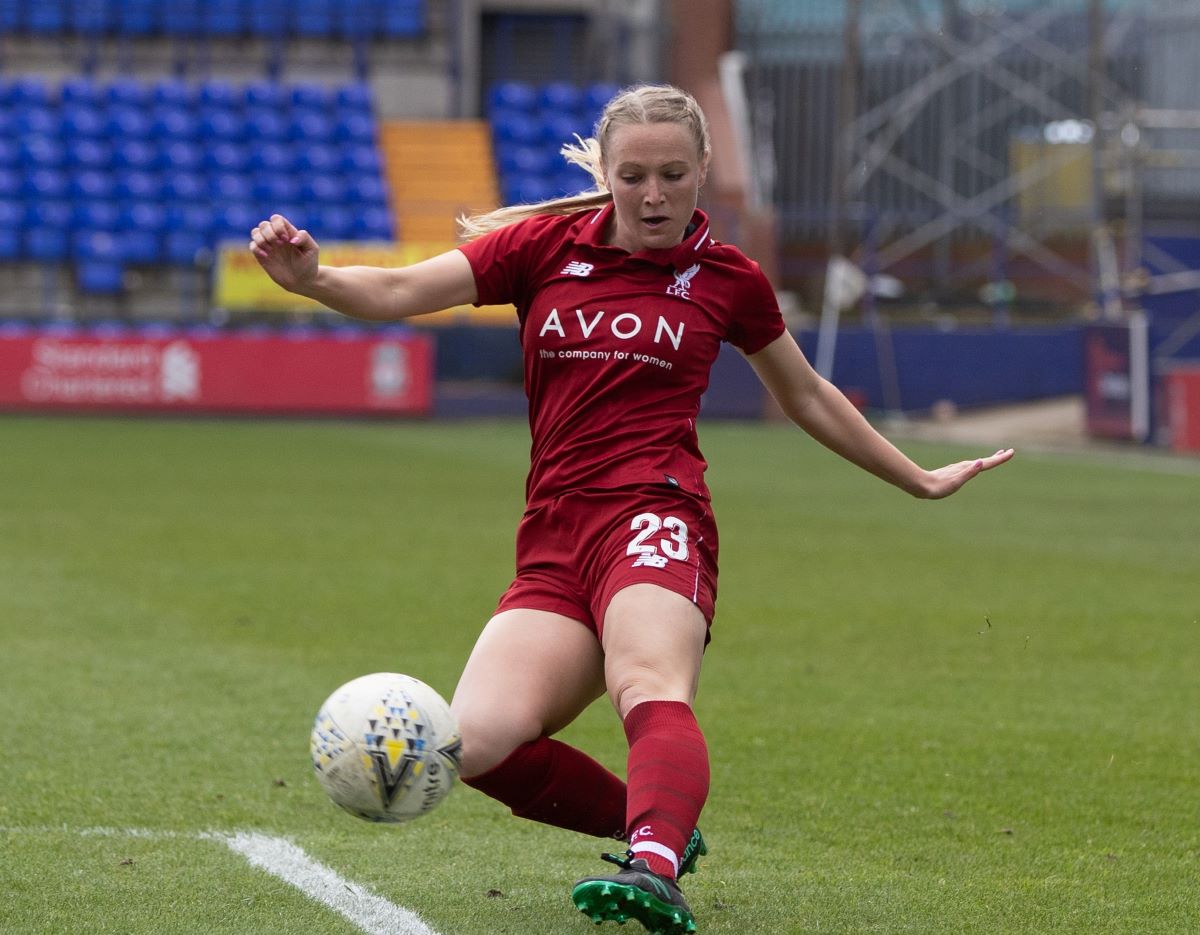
(287,861)
(280,857)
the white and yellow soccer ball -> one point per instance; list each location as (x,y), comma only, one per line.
(386,747)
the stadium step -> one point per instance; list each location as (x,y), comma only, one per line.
(437,170)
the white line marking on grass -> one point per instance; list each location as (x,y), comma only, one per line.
(287,861)
(280,857)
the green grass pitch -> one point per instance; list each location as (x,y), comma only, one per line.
(974,716)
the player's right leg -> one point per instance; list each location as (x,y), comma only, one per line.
(530,674)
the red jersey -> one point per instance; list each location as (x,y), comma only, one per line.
(618,346)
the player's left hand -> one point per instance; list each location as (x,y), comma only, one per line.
(946,480)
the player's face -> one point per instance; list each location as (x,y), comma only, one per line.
(654,173)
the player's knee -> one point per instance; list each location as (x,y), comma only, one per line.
(634,684)
(490,734)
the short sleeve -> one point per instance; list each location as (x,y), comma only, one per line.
(502,259)
(756,320)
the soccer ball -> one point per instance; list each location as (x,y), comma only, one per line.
(385,747)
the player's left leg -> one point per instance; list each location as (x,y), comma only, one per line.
(653,642)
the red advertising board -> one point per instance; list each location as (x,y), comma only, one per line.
(1181,398)
(181,371)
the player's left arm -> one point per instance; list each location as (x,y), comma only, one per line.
(820,408)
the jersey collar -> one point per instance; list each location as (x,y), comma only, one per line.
(590,228)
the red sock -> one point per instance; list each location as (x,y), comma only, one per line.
(668,781)
(550,782)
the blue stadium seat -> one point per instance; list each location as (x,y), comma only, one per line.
(83,121)
(221,124)
(234,221)
(360,160)
(183,247)
(46,17)
(48,244)
(562,128)
(276,188)
(10,152)
(572,180)
(218,93)
(48,214)
(275,157)
(526,160)
(309,96)
(366,190)
(36,120)
(512,96)
(129,123)
(90,17)
(81,90)
(331,222)
(354,128)
(12,184)
(318,158)
(42,152)
(323,189)
(100,277)
(147,215)
(95,216)
(184,20)
(172,122)
(270,19)
(186,187)
(373,224)
(264,125)
(354,97)
(227,157)
(135,154)
(190,217)
(309,127)
(509,126)
(12,223)
(137,18)
(89,154)
(527,189)
(174,92)
(138,187)
(355,19)
(230,188)
(10,16)
(403,19)
(265,94)
(558,97)
(179,157)
(92,185)
(46,185)
(597,95)
(29,91)
(223,18)
(128,93)
(312,19)
(140,246)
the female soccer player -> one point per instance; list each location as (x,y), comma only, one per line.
(623,298)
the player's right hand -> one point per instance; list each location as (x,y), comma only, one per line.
(287,254)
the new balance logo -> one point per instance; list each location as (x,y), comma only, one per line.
(683,282)
(575,268)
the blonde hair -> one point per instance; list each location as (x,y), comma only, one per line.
(648,103)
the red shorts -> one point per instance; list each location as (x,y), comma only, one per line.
(575,552)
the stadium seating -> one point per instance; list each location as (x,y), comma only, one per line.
(530,124)
(215,19)
(108,174)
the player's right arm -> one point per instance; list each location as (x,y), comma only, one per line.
(290,257)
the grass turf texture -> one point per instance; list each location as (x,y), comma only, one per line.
(971,716)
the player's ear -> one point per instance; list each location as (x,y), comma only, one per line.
(704,160)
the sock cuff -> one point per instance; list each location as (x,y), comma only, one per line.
(653,715)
